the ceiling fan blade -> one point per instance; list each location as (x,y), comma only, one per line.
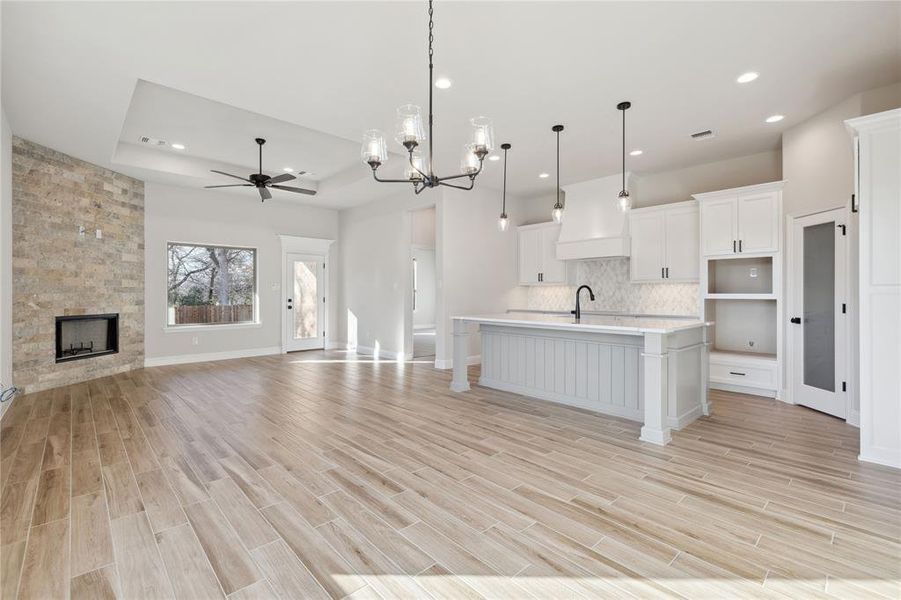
(295,190)
(229,185)
(265,194)
(229,175)
(281,178)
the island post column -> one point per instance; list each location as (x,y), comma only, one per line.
(655,430)
(460,379)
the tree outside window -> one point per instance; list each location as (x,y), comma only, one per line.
(210,285)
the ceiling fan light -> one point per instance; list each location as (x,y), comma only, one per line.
(409,129)
(374,151)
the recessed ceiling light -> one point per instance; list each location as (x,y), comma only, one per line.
(747,77)
(442,83)
(544,175)
(494,157)
(287,169)
(636,153)
(774,118)
(178,146)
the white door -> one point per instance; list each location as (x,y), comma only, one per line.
(305,302)
(682,244)
(529,256)
(819,297)
(719,222)
(758,222)
(552,270)
(647,252)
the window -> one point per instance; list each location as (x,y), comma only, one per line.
(210,285)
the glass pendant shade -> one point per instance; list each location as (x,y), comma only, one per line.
(503,222)
(409,125)
(482,135)
(625,201)
(557,213)
(414,171)
(470,162)
(374,150)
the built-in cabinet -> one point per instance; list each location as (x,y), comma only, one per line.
(877,141)
(664,243)
(741,286)
(538,263)
(741,220)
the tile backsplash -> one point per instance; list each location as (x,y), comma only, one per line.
(609,279)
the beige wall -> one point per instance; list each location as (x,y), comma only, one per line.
(57,272)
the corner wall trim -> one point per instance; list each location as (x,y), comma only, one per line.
(182,359)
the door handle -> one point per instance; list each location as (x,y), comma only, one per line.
(796,320)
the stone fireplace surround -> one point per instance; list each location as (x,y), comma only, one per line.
(58,272)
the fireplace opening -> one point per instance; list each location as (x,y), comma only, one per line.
(86,336)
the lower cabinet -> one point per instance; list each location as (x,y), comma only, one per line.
(744,372)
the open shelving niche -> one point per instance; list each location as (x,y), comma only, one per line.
(742,296)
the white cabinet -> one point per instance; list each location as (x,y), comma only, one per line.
(538,262)
(664,243)
(742,220)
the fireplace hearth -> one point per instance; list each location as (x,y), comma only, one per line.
(86,336)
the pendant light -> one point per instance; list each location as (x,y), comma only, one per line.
(557,213)
(624,200)
(503,222)
(411,132)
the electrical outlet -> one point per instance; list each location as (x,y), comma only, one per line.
(195,340)
(753,272)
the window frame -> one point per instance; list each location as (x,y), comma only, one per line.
(256,322)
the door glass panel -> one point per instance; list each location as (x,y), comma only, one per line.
(306,297)
(819,306)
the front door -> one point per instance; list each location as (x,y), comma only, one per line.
(305,302)
(819,310)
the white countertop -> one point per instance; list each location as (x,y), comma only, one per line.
(605,324)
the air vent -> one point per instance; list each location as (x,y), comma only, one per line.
(702,135)
(152,141)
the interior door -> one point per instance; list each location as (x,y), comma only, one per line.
(647,251)
(305,302)
(819,294)
(758,222)
(682,244)
(719,219)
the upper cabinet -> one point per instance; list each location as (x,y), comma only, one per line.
(664,245)
(538,262)
(741,220)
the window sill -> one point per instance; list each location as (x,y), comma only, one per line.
(211,327)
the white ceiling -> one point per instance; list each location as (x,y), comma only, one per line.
(315,75)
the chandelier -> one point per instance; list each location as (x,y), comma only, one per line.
(410,134)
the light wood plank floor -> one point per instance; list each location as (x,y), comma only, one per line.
(310,476)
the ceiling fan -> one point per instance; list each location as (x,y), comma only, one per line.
(262,181)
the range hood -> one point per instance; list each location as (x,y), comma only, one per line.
(593,224)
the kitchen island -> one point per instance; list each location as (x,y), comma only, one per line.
(647,369)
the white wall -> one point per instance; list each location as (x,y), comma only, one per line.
(426,287)
(176,214)
(6,293)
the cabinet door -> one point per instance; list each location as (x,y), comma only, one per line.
(529,256)
(647,231)
(758,222)
(719,226)
(682,244)
(553,270)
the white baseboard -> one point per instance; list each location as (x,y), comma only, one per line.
(383,354)
(853,418)
(181,359)
(881,456)
(448,363)
(741,389)
(685,418)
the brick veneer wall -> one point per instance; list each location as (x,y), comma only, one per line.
(58,272)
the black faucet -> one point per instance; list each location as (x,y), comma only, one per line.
(578,311)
